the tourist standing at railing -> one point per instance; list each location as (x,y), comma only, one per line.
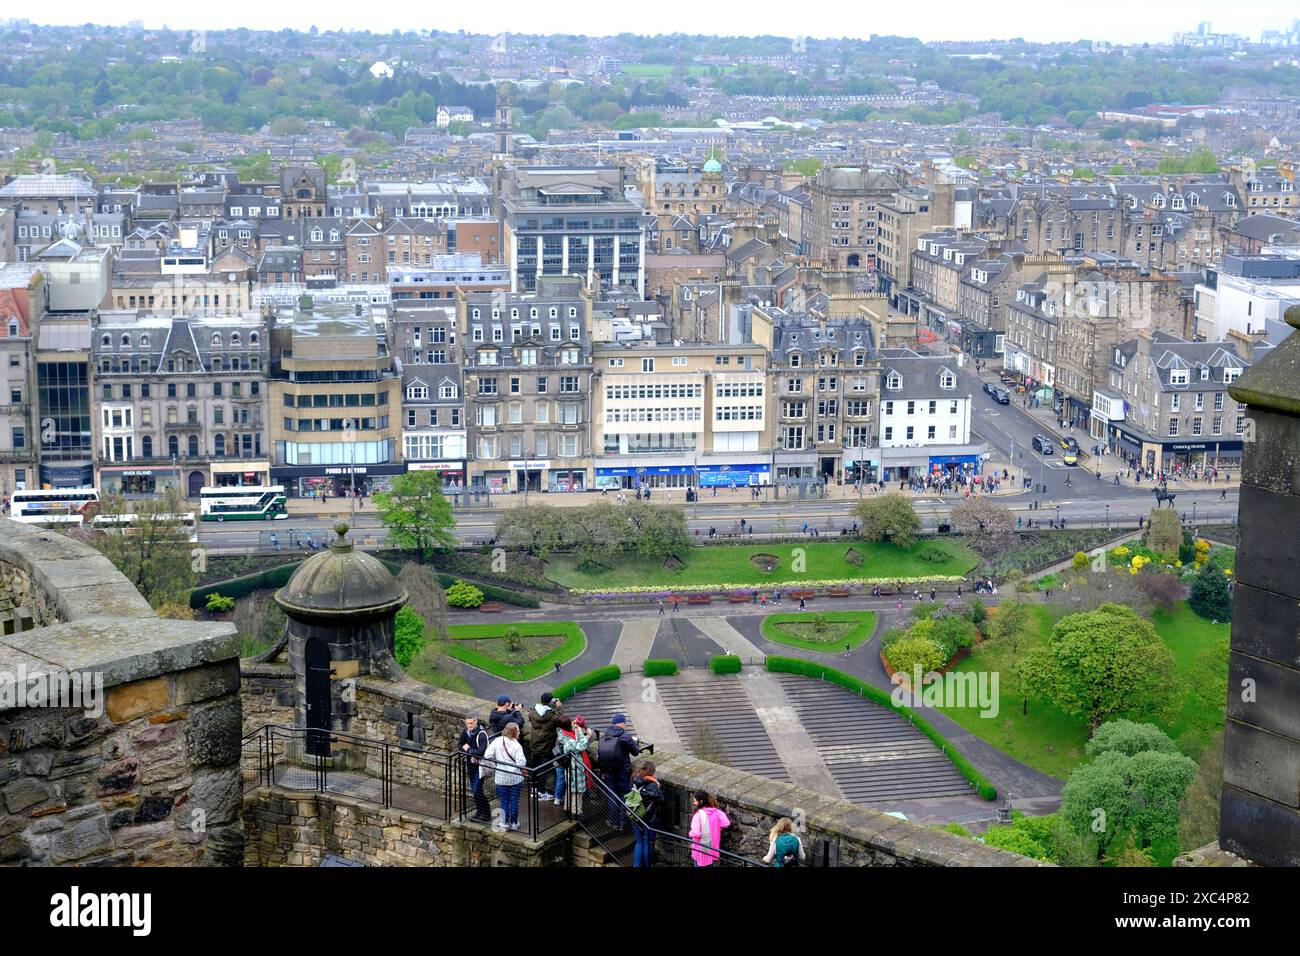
(784,846)
(543,726)
(474,742)
(507,760)
(505,712)
(652,801)
(706,829)
(617,748)
(571,771)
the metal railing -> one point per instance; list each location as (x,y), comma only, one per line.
(320,761)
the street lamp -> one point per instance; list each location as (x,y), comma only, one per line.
(352,471)
(1108,515)
(1058,516)
(776,486)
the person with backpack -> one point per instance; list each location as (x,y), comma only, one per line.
(784,846)
(645,801)
(617,748)
(543,726)
(506,760)
(706,829)
(473,742)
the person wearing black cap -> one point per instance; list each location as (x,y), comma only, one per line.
(505,712)
(474,743)
(617,748)
(543,726)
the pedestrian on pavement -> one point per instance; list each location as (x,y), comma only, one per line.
(557,667)
(846,650)
(1223,494)
(803,605)
(933,594)
(661,607)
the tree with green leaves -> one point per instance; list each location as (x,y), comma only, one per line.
(1211,596)
(415,512)
(1103,664)
(152,549)
(536,529)
(1121,797)
(889,516)
(659,530)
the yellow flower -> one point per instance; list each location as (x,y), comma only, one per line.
(1178,564)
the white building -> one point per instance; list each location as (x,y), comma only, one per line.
(1248,295)
(925,417)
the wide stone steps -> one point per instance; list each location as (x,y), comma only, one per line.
(874,754)
(598,704)
(720,704)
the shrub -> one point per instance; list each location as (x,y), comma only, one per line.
(933,555)
(725,664)
(926,610)
(794,665)
(590,679)
(1211,596)
(461,594)
(906,654)
(952,633)
(493,593)
(408,636)
(891,636)
(956,829)
(978,612)
(1080,561)
(219,604)
(659,668)
(1163,589)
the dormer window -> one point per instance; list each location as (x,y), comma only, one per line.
(1230,375)
(894,382)
(948,380)
(1177,202)
(1158,201)
(1194,199)
(216,340)
(1178,376)
(1229,199)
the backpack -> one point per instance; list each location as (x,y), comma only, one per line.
(608,752)
(635,803)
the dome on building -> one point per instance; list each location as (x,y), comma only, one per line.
(341,582)
(711,165)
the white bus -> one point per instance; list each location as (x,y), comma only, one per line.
(243,503)
(130,523)
(52,505)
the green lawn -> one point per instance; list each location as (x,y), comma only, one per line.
(799,630)
(729,565)
(1201,664)
(1053,742)
(542,644)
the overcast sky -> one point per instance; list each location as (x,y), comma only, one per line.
(1120,21)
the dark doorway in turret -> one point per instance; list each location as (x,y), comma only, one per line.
(316,662)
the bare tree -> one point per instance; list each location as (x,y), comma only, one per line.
(988,527)
(152,549)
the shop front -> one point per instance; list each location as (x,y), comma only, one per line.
(68,476)
(138,482)
(335,481)
(1196,454)
(956,465)
(861,464)
(240,474)
(903,464)
(703,475)
(452,472)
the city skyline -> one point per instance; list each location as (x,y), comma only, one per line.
(1105,20)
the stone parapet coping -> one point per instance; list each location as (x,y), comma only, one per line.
(104,625)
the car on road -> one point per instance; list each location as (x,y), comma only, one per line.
(1042,444)
(1070,445)
(1001,396)
(1070,457)
(989,388)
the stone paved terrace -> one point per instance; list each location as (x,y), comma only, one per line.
(143,768)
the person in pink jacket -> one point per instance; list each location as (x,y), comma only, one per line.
(706,829)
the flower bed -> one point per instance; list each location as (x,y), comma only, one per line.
(859,583)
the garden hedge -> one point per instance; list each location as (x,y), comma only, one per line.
(584,681)
(659,668)
(794,665)
(245,585)
(725,664)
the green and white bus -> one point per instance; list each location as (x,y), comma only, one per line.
(243,503)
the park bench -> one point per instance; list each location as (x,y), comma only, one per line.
(739,598)
(838,592)
(699,599)
(490,607)
(796,595)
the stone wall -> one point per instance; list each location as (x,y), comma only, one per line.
(1260,812)
(295,830)
(147,773)
(266,691)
